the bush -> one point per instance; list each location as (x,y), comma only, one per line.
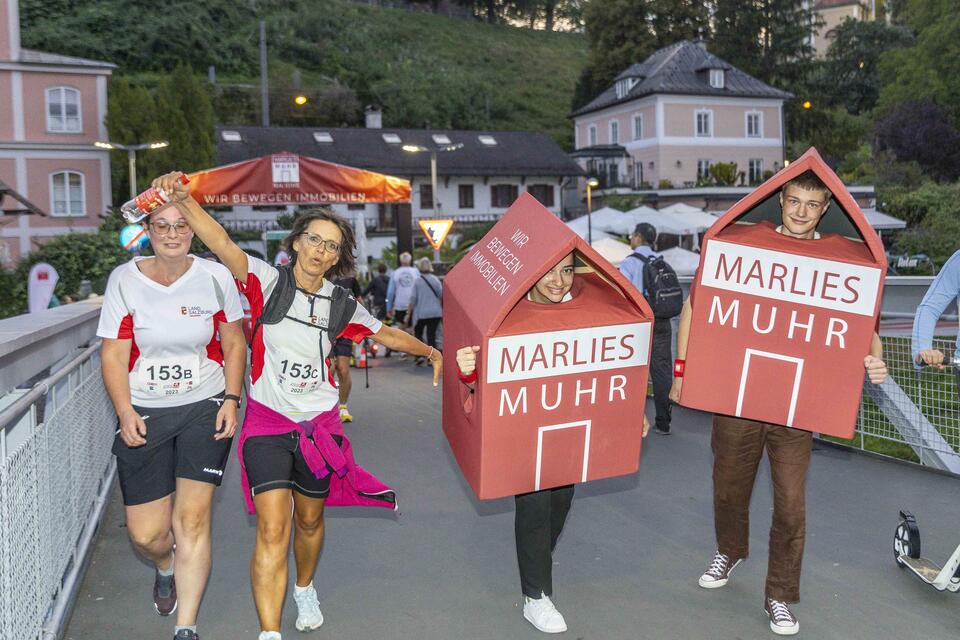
(75,256)
(664,184)
(724,174)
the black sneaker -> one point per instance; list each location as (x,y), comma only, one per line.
(186,634)
(164,594)
(718,572)
(782,621)
(662,432)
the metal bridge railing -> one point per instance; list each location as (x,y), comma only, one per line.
(915,415)
(56,473)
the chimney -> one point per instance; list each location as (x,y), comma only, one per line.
(9,30)
(700,41)
(373,117)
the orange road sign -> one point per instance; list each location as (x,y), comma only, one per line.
(436,231)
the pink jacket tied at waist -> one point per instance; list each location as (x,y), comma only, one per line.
(350,485)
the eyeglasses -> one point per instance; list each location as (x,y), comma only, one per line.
(316,242)
(163,227)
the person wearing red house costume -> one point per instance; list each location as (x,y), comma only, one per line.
(540,515)
(738,444)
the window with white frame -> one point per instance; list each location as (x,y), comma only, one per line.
(754,124)
(63,110)
(755,170)
(637,126)
(716,78)
(704,123)
(66,194)
(703,169)
(592,135)
(614,132)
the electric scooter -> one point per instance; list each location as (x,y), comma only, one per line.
(906,551)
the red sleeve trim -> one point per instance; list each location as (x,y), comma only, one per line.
(355,332)
(125,332)
(467,379)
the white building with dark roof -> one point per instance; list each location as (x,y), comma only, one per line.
(668,118)
(476,182)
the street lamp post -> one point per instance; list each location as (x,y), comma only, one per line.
(131,150)
(592,184)
(415,148)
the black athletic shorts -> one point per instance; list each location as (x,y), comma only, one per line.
(276,462)
(179,444)
(343,347)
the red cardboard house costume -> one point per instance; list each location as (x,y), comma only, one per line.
(561,387)
(780,325)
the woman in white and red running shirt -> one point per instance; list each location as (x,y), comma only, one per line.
(173,359)
(292,412)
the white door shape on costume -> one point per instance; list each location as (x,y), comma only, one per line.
(744,376)
(566,446)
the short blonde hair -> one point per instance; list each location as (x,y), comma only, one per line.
(424,265)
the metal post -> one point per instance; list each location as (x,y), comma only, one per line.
(264,91)
(132,161)
(589,224)
(433,192)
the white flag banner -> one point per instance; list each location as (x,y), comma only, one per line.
(41,282)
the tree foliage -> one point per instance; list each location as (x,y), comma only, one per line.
(930,69)
(934,211)
(75,256)
(850,75)
(921,132)
(178,110)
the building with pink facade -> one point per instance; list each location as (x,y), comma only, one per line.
(670,117)
(52,110)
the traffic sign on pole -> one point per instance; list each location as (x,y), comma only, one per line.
(436,231)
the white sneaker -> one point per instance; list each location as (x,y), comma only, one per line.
(270,635)
(543,615)
(308,609)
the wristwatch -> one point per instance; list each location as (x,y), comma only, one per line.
(232,396)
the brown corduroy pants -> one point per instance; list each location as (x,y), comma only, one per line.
(738,446)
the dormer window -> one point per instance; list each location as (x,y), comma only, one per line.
(322,137)
(391,138)
(624,86)
(716,78)
(229,135)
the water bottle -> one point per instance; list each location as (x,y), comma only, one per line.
(133,211)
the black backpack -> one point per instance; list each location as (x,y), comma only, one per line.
(662,286)
(342,306)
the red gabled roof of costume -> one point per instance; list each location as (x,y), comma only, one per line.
(475,280)
(809,161)
(319,182)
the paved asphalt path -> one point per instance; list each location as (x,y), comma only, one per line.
(626,566)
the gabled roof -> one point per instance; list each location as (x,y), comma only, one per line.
(677,69)
(29,56)
(514,152)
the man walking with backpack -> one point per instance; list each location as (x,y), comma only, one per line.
(658,282)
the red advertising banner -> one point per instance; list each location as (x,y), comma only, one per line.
(561,387)
(288,178)
(781,325)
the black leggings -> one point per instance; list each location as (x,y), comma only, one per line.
(427,327)
(539,521)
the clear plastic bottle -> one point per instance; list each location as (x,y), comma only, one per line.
(133,211)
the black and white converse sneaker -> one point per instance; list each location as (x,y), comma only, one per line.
(782,621)
(718,572)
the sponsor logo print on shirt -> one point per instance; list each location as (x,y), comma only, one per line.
(195,312)
(216,472)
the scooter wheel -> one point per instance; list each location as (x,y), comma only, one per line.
(906,540)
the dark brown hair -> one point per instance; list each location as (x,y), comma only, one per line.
(810,181)
(347,262)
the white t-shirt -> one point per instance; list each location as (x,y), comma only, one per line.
(175,356)
(403,280)
(290,368)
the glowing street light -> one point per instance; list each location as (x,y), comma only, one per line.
(300,100)
(806,104)
(416,148)
(131,150)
